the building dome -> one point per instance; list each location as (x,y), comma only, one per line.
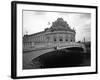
(59,25)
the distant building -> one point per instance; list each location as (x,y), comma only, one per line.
(59,33)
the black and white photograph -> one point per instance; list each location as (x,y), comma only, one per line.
(53,39)
(56,39)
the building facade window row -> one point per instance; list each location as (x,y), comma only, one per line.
(59,32)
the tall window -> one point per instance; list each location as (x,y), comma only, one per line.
(55,39)
(66,39)
(60,39)
(48,38)
(71,40)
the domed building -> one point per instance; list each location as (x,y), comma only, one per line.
(58,34)
(59,38)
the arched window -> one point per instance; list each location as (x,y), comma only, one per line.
(48,38)
(66,39)
(60,38)
(55,39)
(71,40)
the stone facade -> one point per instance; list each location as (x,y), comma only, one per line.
(59,33)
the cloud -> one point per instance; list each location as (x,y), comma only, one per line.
(39,13)
(86,15)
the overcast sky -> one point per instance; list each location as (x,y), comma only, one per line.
(36,21)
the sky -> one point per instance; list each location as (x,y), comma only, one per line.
(37,21)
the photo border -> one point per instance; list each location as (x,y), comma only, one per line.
(14,38)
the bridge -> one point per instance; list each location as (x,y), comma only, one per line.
(31,53)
